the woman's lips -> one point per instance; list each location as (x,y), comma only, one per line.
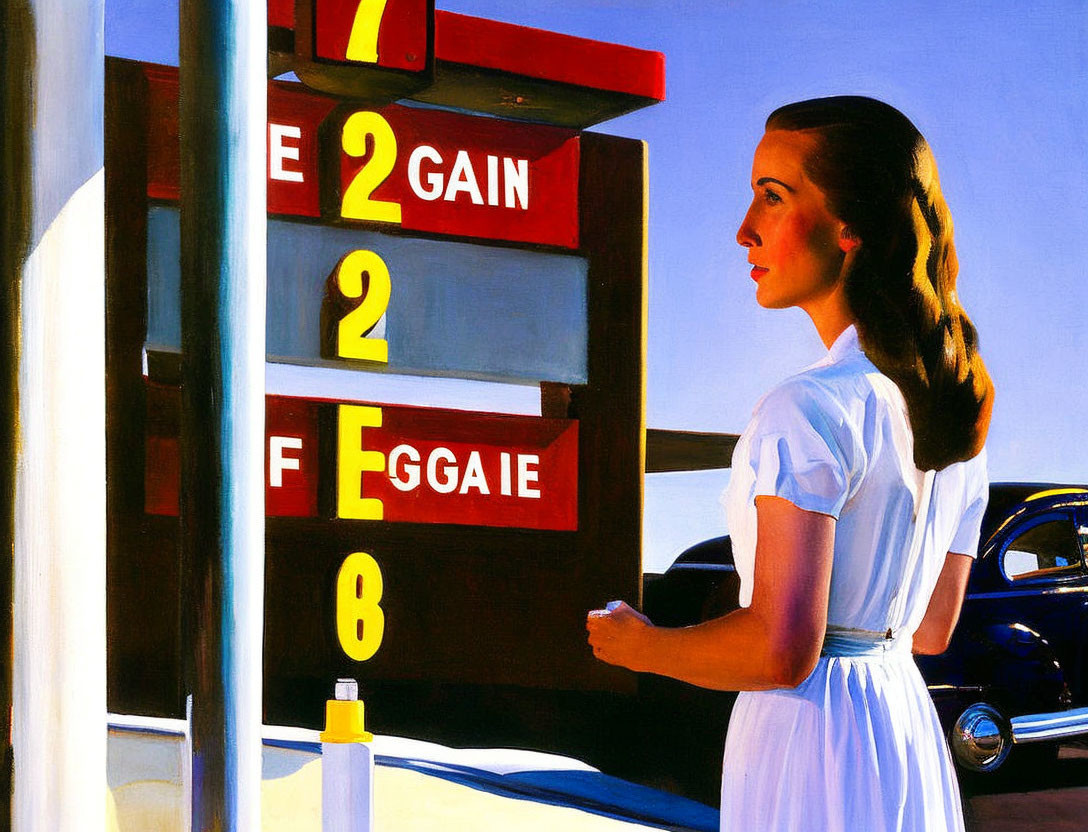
(758,272)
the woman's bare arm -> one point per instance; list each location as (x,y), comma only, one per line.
(943,612)
(773,643)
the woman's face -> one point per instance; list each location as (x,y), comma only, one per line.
(797,248)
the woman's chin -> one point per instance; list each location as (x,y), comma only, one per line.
(769,301)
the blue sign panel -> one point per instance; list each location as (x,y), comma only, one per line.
(454,309)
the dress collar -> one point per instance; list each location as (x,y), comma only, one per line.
(846,344)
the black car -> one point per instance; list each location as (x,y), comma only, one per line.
(1016,672)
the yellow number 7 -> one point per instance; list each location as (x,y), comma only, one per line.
(363,41)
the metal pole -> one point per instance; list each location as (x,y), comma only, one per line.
(52,395)
(14,233)
(222,130)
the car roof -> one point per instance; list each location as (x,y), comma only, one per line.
(1010,498)
(716,550)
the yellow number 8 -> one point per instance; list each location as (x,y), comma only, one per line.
(360,622)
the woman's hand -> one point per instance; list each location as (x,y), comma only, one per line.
(618,635)
(773,643)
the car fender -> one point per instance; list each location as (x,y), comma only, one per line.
(1016,668)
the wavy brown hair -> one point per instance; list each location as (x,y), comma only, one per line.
(880,178)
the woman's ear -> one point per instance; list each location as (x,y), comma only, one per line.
(848,240)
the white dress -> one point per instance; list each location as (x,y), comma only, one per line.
(857,745)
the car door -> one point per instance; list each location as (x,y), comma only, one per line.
(1045,593)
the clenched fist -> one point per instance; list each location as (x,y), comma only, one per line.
(619,634)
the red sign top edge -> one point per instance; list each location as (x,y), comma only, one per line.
(534,53)
(549,56)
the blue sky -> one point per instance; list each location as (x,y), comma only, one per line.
(996,87)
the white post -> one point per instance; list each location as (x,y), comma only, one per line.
(223,53)
(54,402)
(347,764)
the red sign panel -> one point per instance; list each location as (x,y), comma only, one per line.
(515,50)
(420,169)
(404,464)
(294,116)
(447,466)
(458,174)
(392,33)
(291,455)
(281,13)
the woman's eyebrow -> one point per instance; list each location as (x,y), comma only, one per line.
(763,180)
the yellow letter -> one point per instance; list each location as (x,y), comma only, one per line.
(352,461)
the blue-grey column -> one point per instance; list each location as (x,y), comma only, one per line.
(223,54)
(52,396)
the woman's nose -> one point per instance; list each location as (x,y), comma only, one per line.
(746,234)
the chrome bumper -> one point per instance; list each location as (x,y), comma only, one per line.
(1039,727)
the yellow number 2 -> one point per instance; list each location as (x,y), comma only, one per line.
(360,622)
(363,42)
(351,340)
(357,204)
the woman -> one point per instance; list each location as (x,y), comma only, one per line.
(856,493)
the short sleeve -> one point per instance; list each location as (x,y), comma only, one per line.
(800,450)
(965,541)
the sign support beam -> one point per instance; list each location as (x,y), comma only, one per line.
(222,130)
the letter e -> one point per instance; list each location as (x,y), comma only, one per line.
(278,151)
(527,475)
(352,461)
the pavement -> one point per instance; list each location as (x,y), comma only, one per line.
(418,787)
(1053,798)
(422,787)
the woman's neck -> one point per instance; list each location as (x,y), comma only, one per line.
(831,315)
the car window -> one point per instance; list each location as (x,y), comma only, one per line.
(1047,549)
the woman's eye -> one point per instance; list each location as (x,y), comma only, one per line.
(771,198)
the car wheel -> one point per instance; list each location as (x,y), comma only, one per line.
(980,739)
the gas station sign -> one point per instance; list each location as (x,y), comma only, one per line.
(436,210)
(396,464)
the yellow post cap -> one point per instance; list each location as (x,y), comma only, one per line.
(344,715)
